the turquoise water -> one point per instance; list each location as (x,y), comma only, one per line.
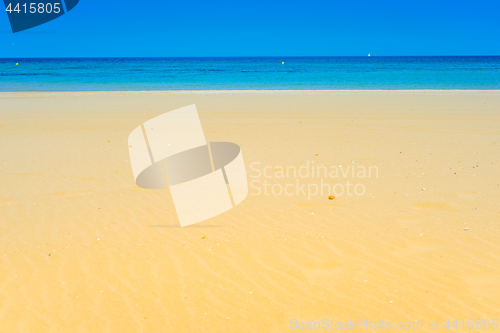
(301,73)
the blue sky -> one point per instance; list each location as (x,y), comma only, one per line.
(261,28)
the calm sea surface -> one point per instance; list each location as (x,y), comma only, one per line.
(301,73)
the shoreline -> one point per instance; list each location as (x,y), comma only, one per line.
(4,94)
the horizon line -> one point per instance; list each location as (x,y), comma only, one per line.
(308,56)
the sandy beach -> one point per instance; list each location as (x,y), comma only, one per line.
(83,249)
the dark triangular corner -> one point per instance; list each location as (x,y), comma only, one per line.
(21,19)
(70,4)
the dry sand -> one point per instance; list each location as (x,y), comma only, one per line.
(83,249)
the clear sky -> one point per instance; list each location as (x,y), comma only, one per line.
(262,28)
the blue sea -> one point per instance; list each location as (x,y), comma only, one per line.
(299,73)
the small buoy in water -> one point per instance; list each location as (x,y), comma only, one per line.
(331,197)
(17,63)
(283,63)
